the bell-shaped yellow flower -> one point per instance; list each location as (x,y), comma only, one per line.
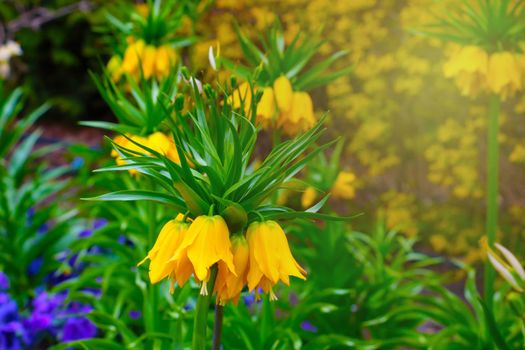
(270,257)
(163,144)
(505,74)
(169,239)
(228,286)
(148,59)
(343,187)
(469,67)
(242,96)
(283,93)
(207,242)
(165,59)
(124,142)
(266,107)
(300,117)
(132,57)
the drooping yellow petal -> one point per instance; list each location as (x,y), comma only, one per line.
(227,285)
(148,58)
(283,93)
(505,75)
(266,107)
(206,243)
(270,257)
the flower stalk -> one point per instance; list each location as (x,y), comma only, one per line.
(217,327)
(200,323)
(492,191)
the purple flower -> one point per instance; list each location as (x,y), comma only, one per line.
(10,336)
(293,298)
(35,266)
(135,314)
(8,309)
(38,322)
(85,233)
(4,281)
(308,327)
(43,228)
(99,223)
(249,299)
(77,328)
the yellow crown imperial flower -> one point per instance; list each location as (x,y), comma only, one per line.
(270,257)
(132,55)
(283,93)
(505,74)
(469,67)
(157,141)
(266,108)
(205,243)
(169,239)
(300,117)
(228,286)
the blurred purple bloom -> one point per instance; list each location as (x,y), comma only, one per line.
(85,233)
(135,314)
(99,223)
(77,328)
(4,281)
(8,309)
(122,239)
(9,336)
(249,299)
(293,298)
(308,327)
(48,303)
(35,266)
(43,228)
(38,322)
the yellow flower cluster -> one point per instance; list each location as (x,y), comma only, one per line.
(279,107)
(475,71)
(143,59)
(157,141)
(260,259)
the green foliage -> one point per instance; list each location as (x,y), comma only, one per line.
(28,192)
(493,24)
(276,59)
(141,110)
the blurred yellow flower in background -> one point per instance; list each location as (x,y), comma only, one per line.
(505,74)
(141,58)
(468,65)
(343,187)
(157,141)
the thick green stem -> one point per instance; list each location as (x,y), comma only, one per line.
(217,327)
(492,191)
(200,323)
